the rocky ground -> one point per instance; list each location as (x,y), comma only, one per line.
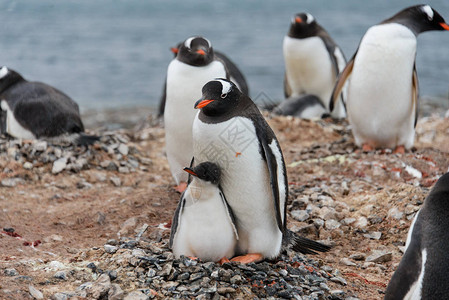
(93,223)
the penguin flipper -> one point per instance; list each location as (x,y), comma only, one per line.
(161,109)
(176,218)
(230,214)
(341,80)
(287,88)
(304,245)
(415,93)
(272,165)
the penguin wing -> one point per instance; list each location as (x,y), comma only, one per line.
(161,109)
(415,93)
(176,219)
(230,214)
(287,88)
(341,80)
(409,268)
(264,134)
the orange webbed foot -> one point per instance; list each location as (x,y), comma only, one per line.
(399,150)
(181,187)
(223,260)
(248,258)
(367,148)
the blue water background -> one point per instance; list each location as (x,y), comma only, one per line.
(109,54)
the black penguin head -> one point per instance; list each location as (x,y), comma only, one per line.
(303,25)
(8,77)
(195,51)
(206,171)
(419,18)
(220,96)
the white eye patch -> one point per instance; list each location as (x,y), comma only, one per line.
(428,11)
(188,42)
(226,87)
(3,72)
(310,18)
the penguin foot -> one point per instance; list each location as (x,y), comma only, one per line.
(181,187)
(223,260)
(248,258)
(399,150)
(367,148)
(193,257)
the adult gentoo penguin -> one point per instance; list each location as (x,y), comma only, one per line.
(31,110)
(422,272)
(230,131)
(234,72)
(312,62)
(187,73)
(203,224)
(382,101)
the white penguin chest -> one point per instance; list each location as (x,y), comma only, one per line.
(382,75)
(308,67)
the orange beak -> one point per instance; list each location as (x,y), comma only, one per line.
(298,20)
(202,103)
(201,51)
(174,50)
(190,171)
(444,25)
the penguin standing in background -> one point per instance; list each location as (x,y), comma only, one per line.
(422,272)
(312,63)
(193,66)
(382,90)
(304,107)
(203,225)
(34,110)
(231,132)
(234,72)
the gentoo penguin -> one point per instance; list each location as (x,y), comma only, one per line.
(304,107)
(422,272)
(203,224)
(33,110)
(234,72)
(187,73)
(312,62)
(382,92)
(230,131)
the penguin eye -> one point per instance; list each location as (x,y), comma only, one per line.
(224,95)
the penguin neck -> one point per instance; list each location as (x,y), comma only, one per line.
(201,190)
(9,80)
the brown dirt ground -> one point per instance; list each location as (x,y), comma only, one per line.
(68,220)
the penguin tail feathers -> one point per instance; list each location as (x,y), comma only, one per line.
(85,139)
(305,245)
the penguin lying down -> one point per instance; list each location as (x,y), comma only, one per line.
(304,107)
(422,272)
(204,225)
(34,110)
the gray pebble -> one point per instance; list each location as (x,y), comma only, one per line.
(60,275)
(300,215)
(35,292)
(110,249)
(11,272)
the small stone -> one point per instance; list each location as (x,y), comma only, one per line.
(110,249)
(348,221)
(56,265)
(35,292)
(136,295)
(27,165)
(60,296)
(60,275)
(332,224)
(379,256)
(362,222)
(376,235)
(99,288)
(40,146)
(339,294)
(358,256)
(11,272)
(123,149)
(124,170)
(339,280)
(236,279)
(115,292)
(300,215)
(225,290)
(395,213)
(115,181)
(59,165)
(347,262)
(11,182)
